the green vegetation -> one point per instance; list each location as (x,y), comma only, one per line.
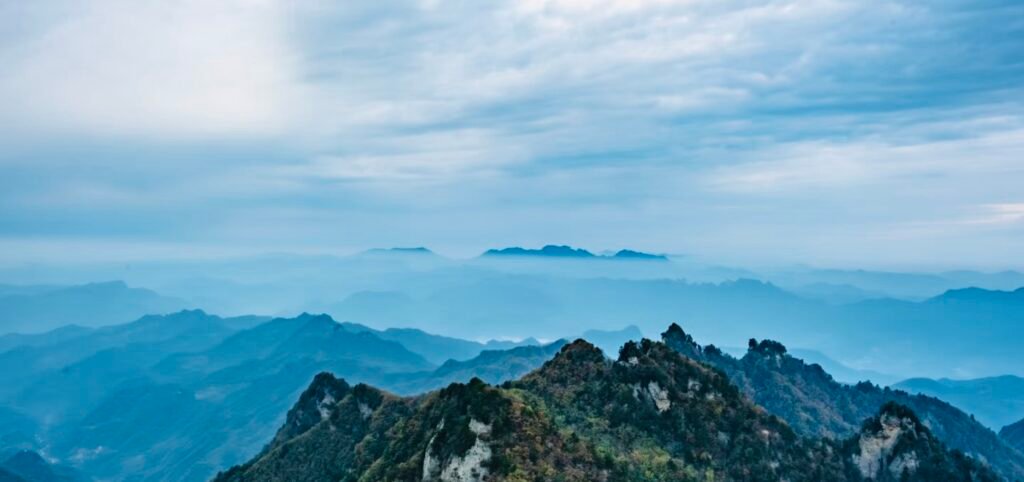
(815,405)
(651,415)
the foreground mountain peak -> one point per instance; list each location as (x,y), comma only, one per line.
(315,405)
(766,347)
(580,350)
(677,339)
(651,415)
(815,405)
(895,445)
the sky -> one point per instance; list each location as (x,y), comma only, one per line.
(862,133)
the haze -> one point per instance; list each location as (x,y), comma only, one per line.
(630,240)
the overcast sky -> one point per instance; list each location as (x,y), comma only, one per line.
(857,133)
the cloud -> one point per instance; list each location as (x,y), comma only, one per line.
(818,166)
(430,156)
(1008,213)
(181,69)
(738,127)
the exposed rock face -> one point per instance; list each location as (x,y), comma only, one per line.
(653,392)
(815,405)
(469,467)
(651,416)
(876,448)
(896,446)
(324,404)
(365,410)
(431,466)
(315,405)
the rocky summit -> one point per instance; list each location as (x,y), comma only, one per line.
(815,405)
(652,414)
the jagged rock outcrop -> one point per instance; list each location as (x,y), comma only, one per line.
(814,404)
(314,406)
(650,415)
(896,446)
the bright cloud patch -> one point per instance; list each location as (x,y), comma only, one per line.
(155,69)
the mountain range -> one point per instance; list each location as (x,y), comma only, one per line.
(650,415)
(814,404)
(555,251)
(178,396)
(994,401)
(436,348)
(897,325)
(35,309)
(966,333)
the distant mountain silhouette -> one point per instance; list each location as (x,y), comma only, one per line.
(903,338)
(836,293)
(434,348)
(94,304)
(550,250)
(994,401)
(555,251)
(979,295)
(437,348)
(1013,434)
(911,286)
(28,466)
(55,335)
(840,372)
(492,366)
(412,251)
(609,341)
(221,396)
(18,432)
(192,392)
(630,254)
(147,338)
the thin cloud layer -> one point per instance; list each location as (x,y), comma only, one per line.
(732,129)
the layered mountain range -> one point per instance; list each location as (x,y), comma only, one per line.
(44,307)
(939,332)
(995,401)
(181,396)
(177,397)
(650,415)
